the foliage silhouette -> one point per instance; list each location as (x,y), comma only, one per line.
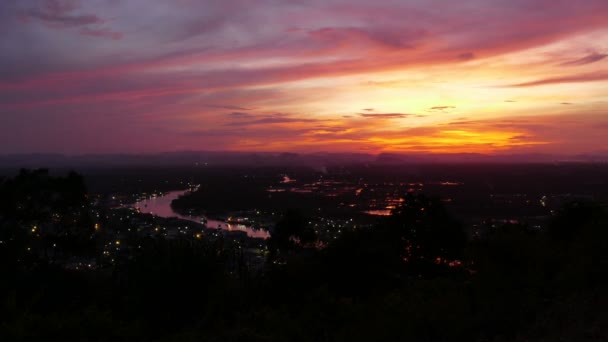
(292,230)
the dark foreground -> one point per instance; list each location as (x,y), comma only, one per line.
(416,275)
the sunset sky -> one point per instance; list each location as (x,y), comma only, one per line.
(488,76)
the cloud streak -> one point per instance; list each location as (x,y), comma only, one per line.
(267,119)
(595,77)
(384,115)
(66,14)
(592,58)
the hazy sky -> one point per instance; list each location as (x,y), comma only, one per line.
(492,76)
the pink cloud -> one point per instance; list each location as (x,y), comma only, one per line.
(595,77)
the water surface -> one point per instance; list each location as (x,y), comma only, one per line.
(161,206)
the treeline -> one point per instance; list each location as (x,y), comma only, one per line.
(414,276)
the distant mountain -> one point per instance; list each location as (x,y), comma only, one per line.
(257,159)
(450,158)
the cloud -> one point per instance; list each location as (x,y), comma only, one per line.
(276,120)
(101,33)
(385,38)
(566,103)
(461,122)
(523,137)
(60,13)
(227,107)
(368,109)
(66,14)
(240,115)
(384,115)
(592,58)
(595,77)
(465,56)
(387,84)
(334,129)
(441,108)
(213,133)
(324,130)
(271,119)
(63,20)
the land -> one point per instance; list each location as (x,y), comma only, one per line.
(356,251)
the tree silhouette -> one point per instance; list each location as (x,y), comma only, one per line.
(50,210)
(418,239)
(424,232)
(290,231)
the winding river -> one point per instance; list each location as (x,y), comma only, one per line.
(161,206)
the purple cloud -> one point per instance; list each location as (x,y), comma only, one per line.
(592,58)
(465,56)
(67,14)
(278,118)
(63,20)
(240,115)
(227,107)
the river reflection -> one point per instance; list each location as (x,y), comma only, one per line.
(161,206)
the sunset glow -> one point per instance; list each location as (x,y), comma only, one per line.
(101,76)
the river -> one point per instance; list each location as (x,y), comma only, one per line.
(161,206)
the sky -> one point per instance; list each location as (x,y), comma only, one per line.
(423,76)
